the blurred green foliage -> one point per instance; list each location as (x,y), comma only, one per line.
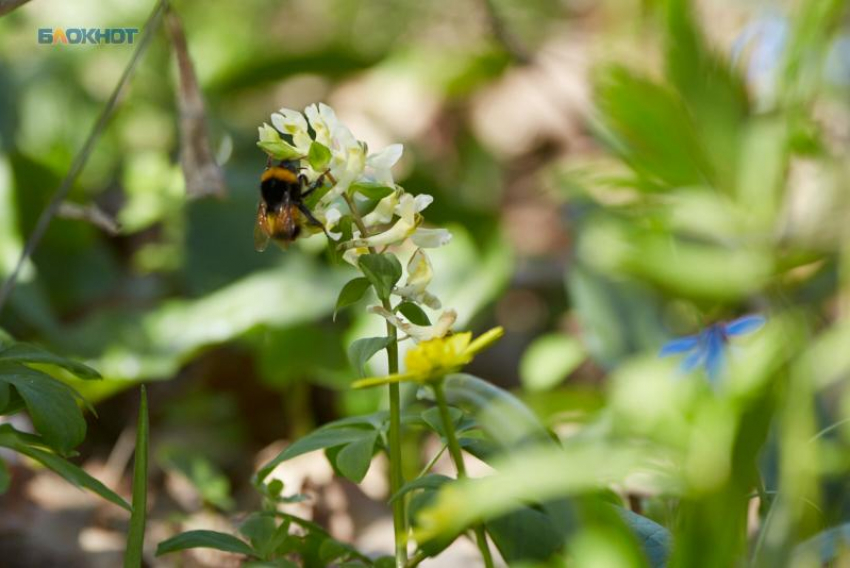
(714,187)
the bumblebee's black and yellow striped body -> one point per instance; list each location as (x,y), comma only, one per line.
(282,212)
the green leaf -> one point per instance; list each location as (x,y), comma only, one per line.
(654,538)
(5,396)
(652,130)
(382,270)
(351,293)
(5,477)
(372,190)
(714,94)
(353,460)
(364,349)
(548,360)
(539,474)
(500,414)
(414,313)
(21,443)
(432,418)
(51,405)
(427,481)
(26,353)
(326,437)
(136,535)
(525,534)
(279,150)
(260,530)
(319,156)
(204,539)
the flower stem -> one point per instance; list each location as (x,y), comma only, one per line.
(396,474)
(457,458)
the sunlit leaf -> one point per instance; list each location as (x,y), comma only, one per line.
(26,353)
(549,360)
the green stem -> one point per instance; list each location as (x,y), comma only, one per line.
(396,474)
(431,463)
(457,458)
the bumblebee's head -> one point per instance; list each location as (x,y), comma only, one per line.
(291,165)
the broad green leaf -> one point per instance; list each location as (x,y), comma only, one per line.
(654,538)
(427,481)
(51,404)
(382,270)
(136,535)
(503,416)
(22,443)
(651,129)
(326,437)
(26,353)
(710,88)
(414,313)
(204,539)
(371,190)
(351,293)
(525,534)
(319,156)
(540,474)
(549,360)
(360,351)
(353,459)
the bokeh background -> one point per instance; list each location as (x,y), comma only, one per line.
(562,230)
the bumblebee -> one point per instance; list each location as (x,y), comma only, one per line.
(281,215)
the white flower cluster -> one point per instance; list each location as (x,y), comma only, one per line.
(324,146)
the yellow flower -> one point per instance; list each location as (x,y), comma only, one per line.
(433,359)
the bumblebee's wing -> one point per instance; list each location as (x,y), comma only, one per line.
(261,231)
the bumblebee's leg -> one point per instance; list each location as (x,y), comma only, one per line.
(311,219)
(315,185)
(319,182)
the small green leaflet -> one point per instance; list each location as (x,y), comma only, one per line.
(204,539)
(382,270)
(351,293)
(319,156)
(364,349)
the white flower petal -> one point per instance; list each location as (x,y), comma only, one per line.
(431,238)
(386,158)
(423,200)
(383,212)
(419,332)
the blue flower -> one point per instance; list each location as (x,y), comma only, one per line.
(707,348)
